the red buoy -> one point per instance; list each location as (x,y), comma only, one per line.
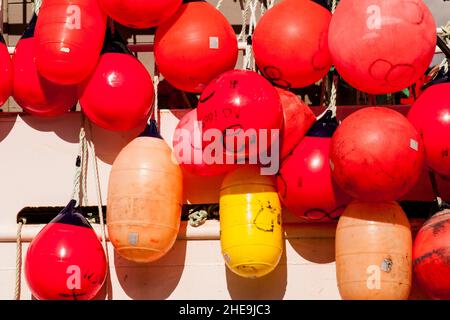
(194,46)
(298,118)
(430,114)
(240,104)
(68,39)
(304,182)
(32,92)
(431,256)
(382,46)
(139,14)
(188,138)
(66,260)
(376,155)
(119,93)
(291,43)
(6,72)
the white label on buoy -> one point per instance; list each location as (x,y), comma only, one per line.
(414,144)
(133,238)
(331,165)
(214,42)
(64,49)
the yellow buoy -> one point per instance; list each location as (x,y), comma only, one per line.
(250,222)
(144,199)
(373,252)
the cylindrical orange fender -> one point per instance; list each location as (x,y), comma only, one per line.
(250,222)
(144,199)
(374,252)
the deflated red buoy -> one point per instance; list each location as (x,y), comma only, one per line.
(376,155)
(298,118)
(241,104)
(382,46)
(66,260)
(304,182)
(119,94)
(291,43)
(32,92)
(431,256)
(68,39)
(141,13)
(6,72)
(194,46)
(188,149)
(430,114)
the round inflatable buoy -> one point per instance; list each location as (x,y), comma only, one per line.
(431,254)
(142,13)
(119,93)
(374,252)
(290,43)
(145,196)
(382,46)
(250,222)
(194,46)
(66,261)
(430,114)
(68,39)
(376,155)
(32,92)
(241,104)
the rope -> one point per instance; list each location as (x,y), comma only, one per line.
(37,6)
(219,4)
(245,11)
(99,203)
(155,111)
(79,183)
(197,218)
(249,61)
(19,258)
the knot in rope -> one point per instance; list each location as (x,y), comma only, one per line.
(197,218)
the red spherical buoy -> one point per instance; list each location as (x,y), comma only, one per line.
(291,43)
(298,118)
(139,14)
(6,72)
(188,149)
(382,46)
(304,182)
(66,260)
(32,92)
(245,108)
(430,114)
(194,46)
(376,155)
(68,39)
(119,93)
(431,256)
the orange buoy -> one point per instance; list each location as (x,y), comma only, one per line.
(298,118)
(6,72)
(68,39)
(382,46)
(291,43)
(144,198)
(194,46)
(374,252)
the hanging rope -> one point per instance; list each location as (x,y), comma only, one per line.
(155,110)
(79,192)
(197,218)
(219,4)
(99,202)
(249,61)
(245,12)
(37,6)
(19,258)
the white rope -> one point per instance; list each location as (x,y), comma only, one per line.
(19,258)
(155,110)
(79,192)
(219,4)
(99,202)
(249,61)
(37,6)
(245,12)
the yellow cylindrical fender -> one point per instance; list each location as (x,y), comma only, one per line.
(250,222)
